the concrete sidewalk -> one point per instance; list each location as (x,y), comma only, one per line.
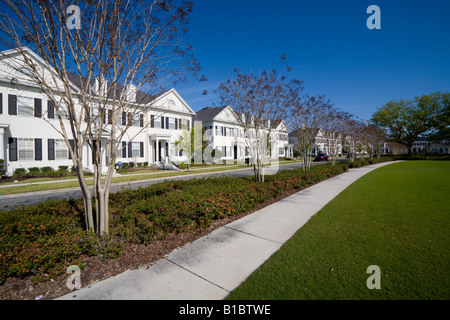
(214,265)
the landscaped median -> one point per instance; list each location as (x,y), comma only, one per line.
(41,241)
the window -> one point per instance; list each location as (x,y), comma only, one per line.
(172,123)
(61,150)
(219,131)
(157,121)
(26,148)
(135,149)
(171,103)
(61,108)
(281,151)
(25,106)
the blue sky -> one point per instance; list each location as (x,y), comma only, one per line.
(328,45)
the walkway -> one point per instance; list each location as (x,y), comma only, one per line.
(214,265)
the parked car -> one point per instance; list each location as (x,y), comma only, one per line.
(321,157)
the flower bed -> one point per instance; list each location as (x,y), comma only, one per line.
(48,237)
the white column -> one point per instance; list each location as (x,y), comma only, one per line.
(2,145)
(157,151)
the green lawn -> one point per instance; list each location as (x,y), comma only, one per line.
(396,217)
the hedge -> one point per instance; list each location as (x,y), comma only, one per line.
(48,237)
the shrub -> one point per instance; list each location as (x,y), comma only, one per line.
(19,172)
(33,170)
(47,170)
(63,168)
(50,236)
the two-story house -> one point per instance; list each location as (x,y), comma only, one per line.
(30,122)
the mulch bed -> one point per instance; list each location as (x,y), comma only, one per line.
(96,269)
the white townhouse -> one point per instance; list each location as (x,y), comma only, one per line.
(280,137)
(225,133)
(425,145)
(28,122)
(320,144)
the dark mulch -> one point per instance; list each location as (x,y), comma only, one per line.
(96,268)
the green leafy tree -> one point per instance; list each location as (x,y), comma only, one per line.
(406,120)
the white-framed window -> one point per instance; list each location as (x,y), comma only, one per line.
(135,149)
(62,110)
(172,123)
(25,106)
(219,130)
(26,148)
(281,151)
(157,121)
(61,150)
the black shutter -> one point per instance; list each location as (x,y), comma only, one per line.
(12,104)
(141,149)
(124,149)
(188,125)
(50,109)
(12,149)
(167,122)
(1,103)
(37,149)
(130,150)
(152,121)
(124,118)
(110,116)
(176,124)
(37,107)
(72,146)
(141,120)
(51,149)
(162,122)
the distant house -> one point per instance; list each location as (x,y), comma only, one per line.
(227,135)
(319,142)
(424,145)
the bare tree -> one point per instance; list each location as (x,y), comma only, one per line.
(104,72)
(307,116)
(375,138)
(333,130)
(258,98)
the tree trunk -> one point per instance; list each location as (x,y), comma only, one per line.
(87,198)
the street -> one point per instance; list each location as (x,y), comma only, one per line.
(10,201)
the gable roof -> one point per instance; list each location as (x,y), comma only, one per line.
(208,113)
(11,53)
(314,132)
(81,81)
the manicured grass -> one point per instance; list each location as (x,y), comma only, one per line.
(396,217)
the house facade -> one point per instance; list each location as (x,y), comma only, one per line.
(30,123)
(319,142)
(424,145)
(231,141)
